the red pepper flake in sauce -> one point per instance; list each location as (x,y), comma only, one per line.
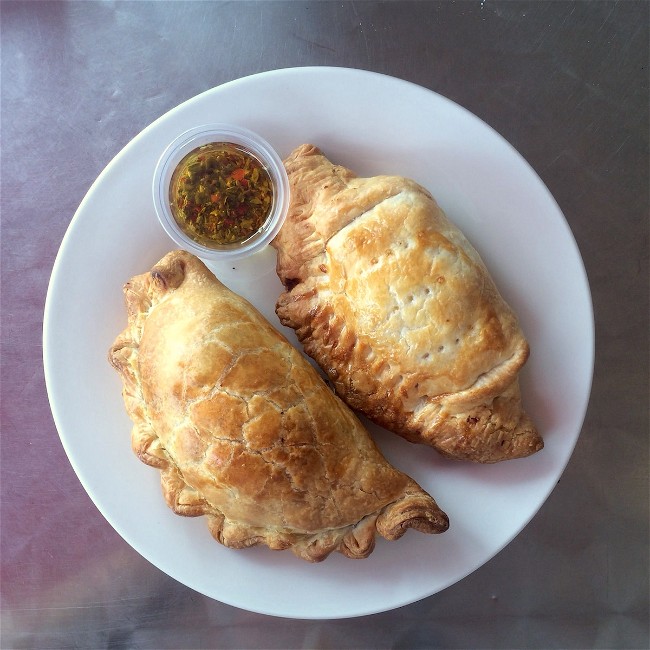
(220,193)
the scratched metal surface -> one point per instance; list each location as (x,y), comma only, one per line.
(565,83)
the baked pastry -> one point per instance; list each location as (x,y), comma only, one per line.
(400,312)
(245,431)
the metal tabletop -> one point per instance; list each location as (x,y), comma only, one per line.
(565,82)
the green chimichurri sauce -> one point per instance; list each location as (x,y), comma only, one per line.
(220,193)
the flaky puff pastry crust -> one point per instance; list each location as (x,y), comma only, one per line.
(396,306)
(245,431)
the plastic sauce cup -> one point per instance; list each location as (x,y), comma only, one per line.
(250,144)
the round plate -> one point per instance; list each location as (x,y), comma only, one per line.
(375,125)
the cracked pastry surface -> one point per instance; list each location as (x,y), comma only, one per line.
(244,430)
(397,307)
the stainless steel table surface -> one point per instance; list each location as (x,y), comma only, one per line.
(565,82)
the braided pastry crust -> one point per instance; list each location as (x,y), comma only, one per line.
(244,430)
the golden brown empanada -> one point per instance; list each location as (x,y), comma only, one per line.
(399,310)
(245,431)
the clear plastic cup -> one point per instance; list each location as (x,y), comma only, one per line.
(251,143)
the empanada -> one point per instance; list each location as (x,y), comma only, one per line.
(245,431)
(399,310)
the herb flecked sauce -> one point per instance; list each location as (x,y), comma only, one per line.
(220,193)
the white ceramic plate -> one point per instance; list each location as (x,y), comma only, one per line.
(373,124)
